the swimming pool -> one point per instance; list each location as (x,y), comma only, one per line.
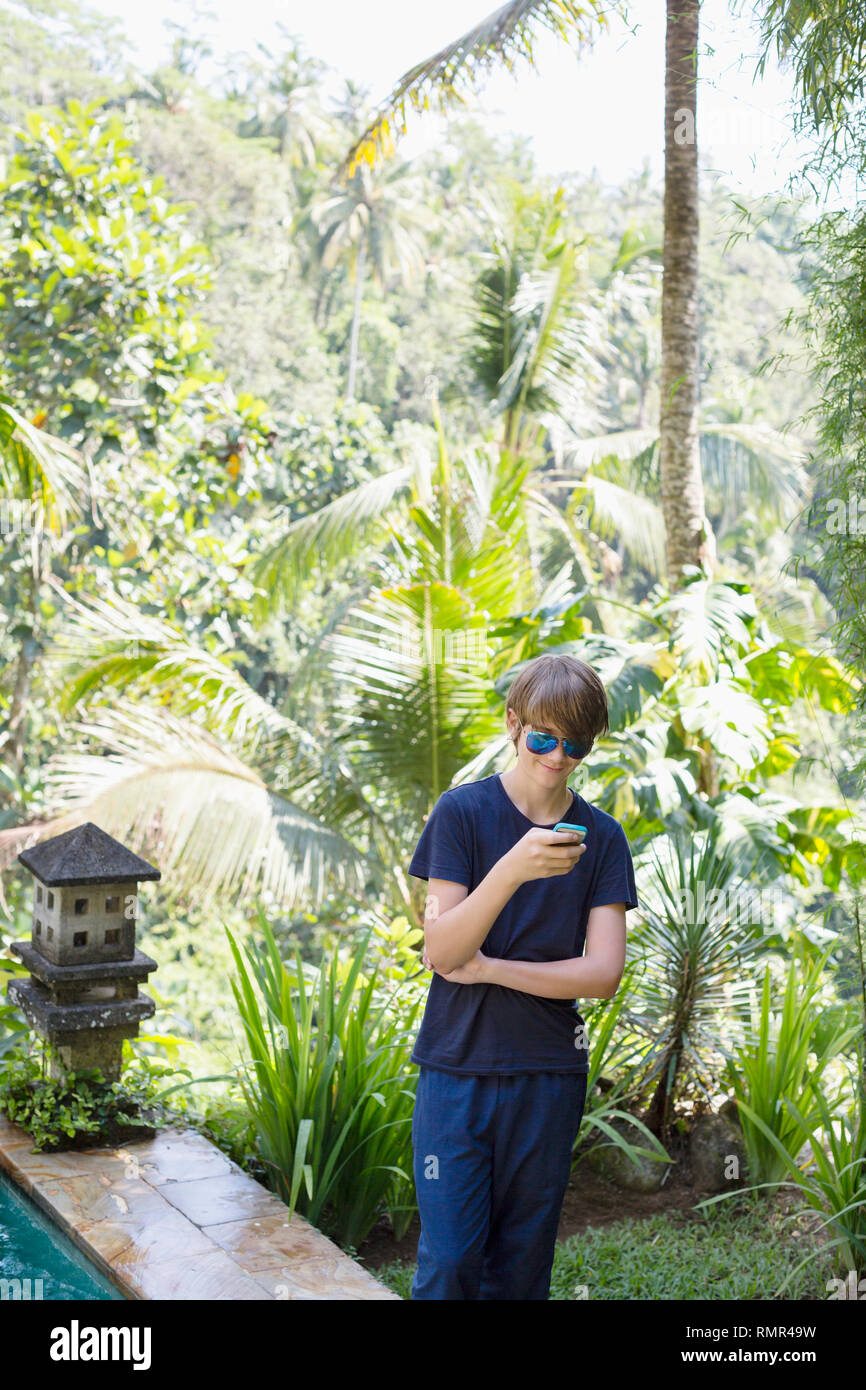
(33,1249)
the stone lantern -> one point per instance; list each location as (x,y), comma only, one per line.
(85,968)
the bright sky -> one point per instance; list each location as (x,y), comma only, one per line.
(602,109)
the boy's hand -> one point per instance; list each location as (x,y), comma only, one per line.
(472,973)
(543,854)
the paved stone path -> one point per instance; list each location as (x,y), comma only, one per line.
(174,1218)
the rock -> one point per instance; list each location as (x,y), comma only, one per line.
(717,1153)
(636,1175)
(731,1112)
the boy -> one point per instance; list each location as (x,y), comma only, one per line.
(502,1051)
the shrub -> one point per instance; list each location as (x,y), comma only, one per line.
(329,1085)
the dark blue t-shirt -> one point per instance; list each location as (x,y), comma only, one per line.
(490,1028)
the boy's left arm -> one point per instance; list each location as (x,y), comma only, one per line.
(594,975)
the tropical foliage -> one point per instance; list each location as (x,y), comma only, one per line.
(303,453)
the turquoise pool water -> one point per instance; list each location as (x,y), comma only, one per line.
(33,1248)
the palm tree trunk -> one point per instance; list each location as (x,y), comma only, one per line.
(17,723)
(356,320)
(679,457)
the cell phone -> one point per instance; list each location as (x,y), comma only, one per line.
(566,825)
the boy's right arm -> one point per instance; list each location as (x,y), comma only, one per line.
(456,922)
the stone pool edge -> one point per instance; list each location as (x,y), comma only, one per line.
(174,1217)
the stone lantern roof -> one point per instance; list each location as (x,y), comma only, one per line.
(83,855)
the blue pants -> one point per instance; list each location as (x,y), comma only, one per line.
(492,1159)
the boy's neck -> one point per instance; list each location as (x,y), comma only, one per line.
(543,803)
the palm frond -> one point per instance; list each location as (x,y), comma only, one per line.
(188,803)
(741,460)
(505,36)
(101,644)
(694,946)
(800,612)
(388,210)
(550,351)
(583,454)
(752,824)
(553,519)
(728,718)
(328,536)
(537,332)
(630,674)
(38,467)
(413,657)
(114,645)
(635,243)
(705,616)
(616,510)
(633,776)
(414,661)
(738,460)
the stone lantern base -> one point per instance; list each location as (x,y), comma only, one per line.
(76,1052)
(85,1011)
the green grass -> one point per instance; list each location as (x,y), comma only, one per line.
(733,1253)
(398,1276)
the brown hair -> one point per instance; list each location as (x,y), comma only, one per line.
(561,692)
